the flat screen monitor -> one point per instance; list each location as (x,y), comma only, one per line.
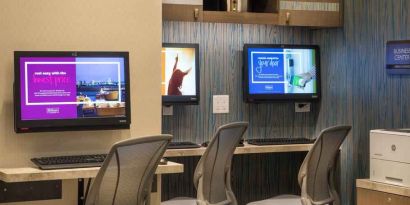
(58,91)
(398,57)
(281,72)
(180,73)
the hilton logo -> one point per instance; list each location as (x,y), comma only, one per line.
(53,110)
(123,121)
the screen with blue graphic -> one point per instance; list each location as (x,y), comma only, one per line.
(398,53)
(281,70)
(398,57)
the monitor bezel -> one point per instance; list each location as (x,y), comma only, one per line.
(260,98)
(50,125)
(186,99)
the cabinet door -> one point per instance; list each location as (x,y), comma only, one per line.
(370,197)
(313,13)
(180,12)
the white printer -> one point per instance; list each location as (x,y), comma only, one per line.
(390,156)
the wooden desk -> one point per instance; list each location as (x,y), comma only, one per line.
(27,174)
(247,149)
(34,174)
(376,193)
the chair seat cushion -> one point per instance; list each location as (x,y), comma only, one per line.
(280,200)
(180,201)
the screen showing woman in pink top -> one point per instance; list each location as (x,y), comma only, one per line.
(178,75)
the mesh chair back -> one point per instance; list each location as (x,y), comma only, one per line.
(319,164)
(127,173)
(212,175)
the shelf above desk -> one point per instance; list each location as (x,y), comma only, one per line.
(26,174)
(241,17)
(247,149)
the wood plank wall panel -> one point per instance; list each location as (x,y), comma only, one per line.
(356,88)
(221,73)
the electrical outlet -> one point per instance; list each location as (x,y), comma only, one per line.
(220,104)
(302,107)
(167,110)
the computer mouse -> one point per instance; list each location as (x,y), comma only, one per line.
(241,143)
(163,161)
(205,144)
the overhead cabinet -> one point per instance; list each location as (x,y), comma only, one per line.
(182,10)
(312,13)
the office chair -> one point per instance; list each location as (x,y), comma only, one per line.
(212,177)
(316,175)
(127,173)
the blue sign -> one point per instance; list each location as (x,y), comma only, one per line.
(266,67)
(398,57)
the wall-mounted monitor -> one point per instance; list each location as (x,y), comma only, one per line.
(180,73)
(398,57)
(58,91)
(281,72)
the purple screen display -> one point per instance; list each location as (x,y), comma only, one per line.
(70,88)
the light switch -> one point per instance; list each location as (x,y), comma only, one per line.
(167,110)
(220,104)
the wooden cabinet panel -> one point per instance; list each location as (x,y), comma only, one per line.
(240,17)
(309,18)
(261,18)
(179,12)
(370,197)
(311,13)
(223,17)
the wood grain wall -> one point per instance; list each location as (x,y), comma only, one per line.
(356,89)
(221,73)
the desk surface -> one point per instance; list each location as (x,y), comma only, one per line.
(34,174)
(382,187)
(247,149)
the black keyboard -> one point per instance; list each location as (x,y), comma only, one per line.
(183,145)
(280,141)
(205,144)
(67,162)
